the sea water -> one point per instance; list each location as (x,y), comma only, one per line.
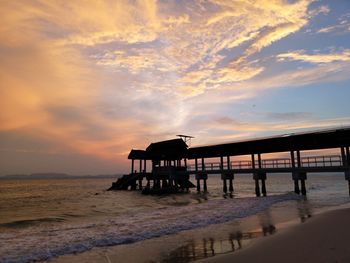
(44,219)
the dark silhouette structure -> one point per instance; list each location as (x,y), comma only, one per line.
(171,172)
(169,169)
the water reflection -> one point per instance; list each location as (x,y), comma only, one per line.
(304,210)
(208,247)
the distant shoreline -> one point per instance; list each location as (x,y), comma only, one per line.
(55,176)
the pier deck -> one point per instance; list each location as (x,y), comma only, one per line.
(171,168)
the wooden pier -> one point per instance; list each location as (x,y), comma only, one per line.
(171,167)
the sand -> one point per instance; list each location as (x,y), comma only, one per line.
(323,238)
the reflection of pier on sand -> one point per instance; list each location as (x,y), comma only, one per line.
(196,249)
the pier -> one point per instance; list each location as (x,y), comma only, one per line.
(173,162)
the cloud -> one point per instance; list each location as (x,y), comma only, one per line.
(99,77)
(288,116)
(341,27)
(138,60)
(315,58)
(234,74)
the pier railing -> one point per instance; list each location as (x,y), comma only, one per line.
(279,163)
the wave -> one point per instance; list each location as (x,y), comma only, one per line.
(42,243)
(30,222)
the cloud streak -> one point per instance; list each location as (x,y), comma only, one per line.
(315,58)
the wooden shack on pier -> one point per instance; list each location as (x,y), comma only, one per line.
(169,169)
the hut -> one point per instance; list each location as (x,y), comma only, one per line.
(169,169)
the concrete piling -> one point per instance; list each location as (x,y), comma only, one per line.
(299,176)
(257,188)
(224,188)
(227,176)
(263,187)
(260,176)
(231,185)
(296,186)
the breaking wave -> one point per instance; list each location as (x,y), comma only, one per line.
(42,242)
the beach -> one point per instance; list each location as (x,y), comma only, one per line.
(81,222)
(324,238)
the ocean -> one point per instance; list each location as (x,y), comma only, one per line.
(52,219)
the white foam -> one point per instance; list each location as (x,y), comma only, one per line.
(38,243)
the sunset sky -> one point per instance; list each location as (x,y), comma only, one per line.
(83,82)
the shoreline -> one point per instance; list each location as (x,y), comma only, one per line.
(200,243)
(323,238)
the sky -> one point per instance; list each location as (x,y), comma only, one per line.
(84,82)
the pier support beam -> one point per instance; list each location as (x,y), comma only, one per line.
(296,186)
(299,176)
(257,188)
(263,187)
(133,185)
(140,184)
(228,176)
(230,185)
(260,176)
(198,185)
(303,188)
(156,184)
(132,165)
(164,183)
(202,176)
(345,154)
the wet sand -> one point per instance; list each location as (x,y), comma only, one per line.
(323,238)
(207,242)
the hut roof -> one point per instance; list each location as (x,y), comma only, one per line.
(167,150)
(138,155)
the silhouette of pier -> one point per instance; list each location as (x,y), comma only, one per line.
(171,168)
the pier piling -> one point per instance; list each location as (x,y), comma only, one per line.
(202,176)
(299,176)
(303,188)
(225,186)
(296,186)
(140,184)
(231,185)
(263,187)
(227,176)
(260,176)
(257,188)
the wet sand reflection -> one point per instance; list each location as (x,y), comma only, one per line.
(236,240)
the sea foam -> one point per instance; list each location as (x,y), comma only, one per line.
(44,242)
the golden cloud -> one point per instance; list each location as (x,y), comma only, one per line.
(86,74)
(315,58)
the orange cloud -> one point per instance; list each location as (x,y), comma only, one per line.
(99,77)
(316,58)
